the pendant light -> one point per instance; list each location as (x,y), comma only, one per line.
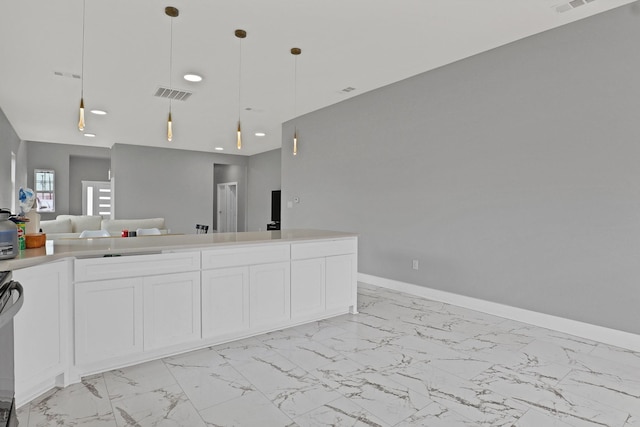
(171,12)
(81,118)
(295,52)
(240,34)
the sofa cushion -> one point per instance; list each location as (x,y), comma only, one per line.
(56,226)
(117,225)
(79,223)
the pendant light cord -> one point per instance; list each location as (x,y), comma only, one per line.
(170,62)
(239,77)
(295,85)
(84,5)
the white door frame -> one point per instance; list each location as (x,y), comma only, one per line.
(227,208)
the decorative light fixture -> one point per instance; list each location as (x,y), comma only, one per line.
(98,112)
(240,34)
(171,12)
(81,119)
(295,52)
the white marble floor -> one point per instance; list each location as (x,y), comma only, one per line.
(403,361)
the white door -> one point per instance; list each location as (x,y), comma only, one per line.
(227,207)
(97,198)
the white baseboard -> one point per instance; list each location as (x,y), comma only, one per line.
(580,329)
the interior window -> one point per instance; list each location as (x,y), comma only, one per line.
(45,190)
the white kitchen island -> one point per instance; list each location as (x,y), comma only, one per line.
(92,305)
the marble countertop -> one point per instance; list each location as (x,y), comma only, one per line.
(77,248)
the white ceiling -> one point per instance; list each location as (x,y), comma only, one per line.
(363,44)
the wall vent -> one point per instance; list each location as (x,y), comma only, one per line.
(175,94)
(65,74)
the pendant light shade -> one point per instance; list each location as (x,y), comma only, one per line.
(295,142)
(81,120)
(240,34)
(171,12)
(295,52)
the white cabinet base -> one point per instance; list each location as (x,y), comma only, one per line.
(125,310)
(42,330)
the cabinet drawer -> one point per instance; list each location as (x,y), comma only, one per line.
(323,249)
(235,257)
(135,265)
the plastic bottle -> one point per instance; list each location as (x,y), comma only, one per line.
(9,247)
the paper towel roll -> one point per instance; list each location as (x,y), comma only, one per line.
(33,226)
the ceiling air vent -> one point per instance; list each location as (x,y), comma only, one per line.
(572,5)
(178,95)
(347,90)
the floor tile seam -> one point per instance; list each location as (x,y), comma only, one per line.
(495,392)
(186,400)
(189,401)
(549,414)
(525,373)
(108,396)
(542,399)
(433,402)
(256,389)
(271,402)
(553,413)
(579,392)
(328,362)
(322,406)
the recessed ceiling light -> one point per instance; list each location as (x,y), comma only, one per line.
(90,135)
(192,78)
(260,134)
(219,149)
(98,112)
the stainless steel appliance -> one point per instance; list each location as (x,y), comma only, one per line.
(11,299)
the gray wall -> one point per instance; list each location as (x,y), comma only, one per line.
(231,173)
(83,168)
(163,182)
(512,175)
(10,143)
(57,157)
(264,177)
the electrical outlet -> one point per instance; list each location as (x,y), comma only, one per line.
(416,264)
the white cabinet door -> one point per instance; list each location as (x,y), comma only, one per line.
(41,328)
(225,301)
(171,309)
(108,319)
(307,287)
(341,281)
(270,294)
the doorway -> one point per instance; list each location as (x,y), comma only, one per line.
(227,219)
(97,198)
